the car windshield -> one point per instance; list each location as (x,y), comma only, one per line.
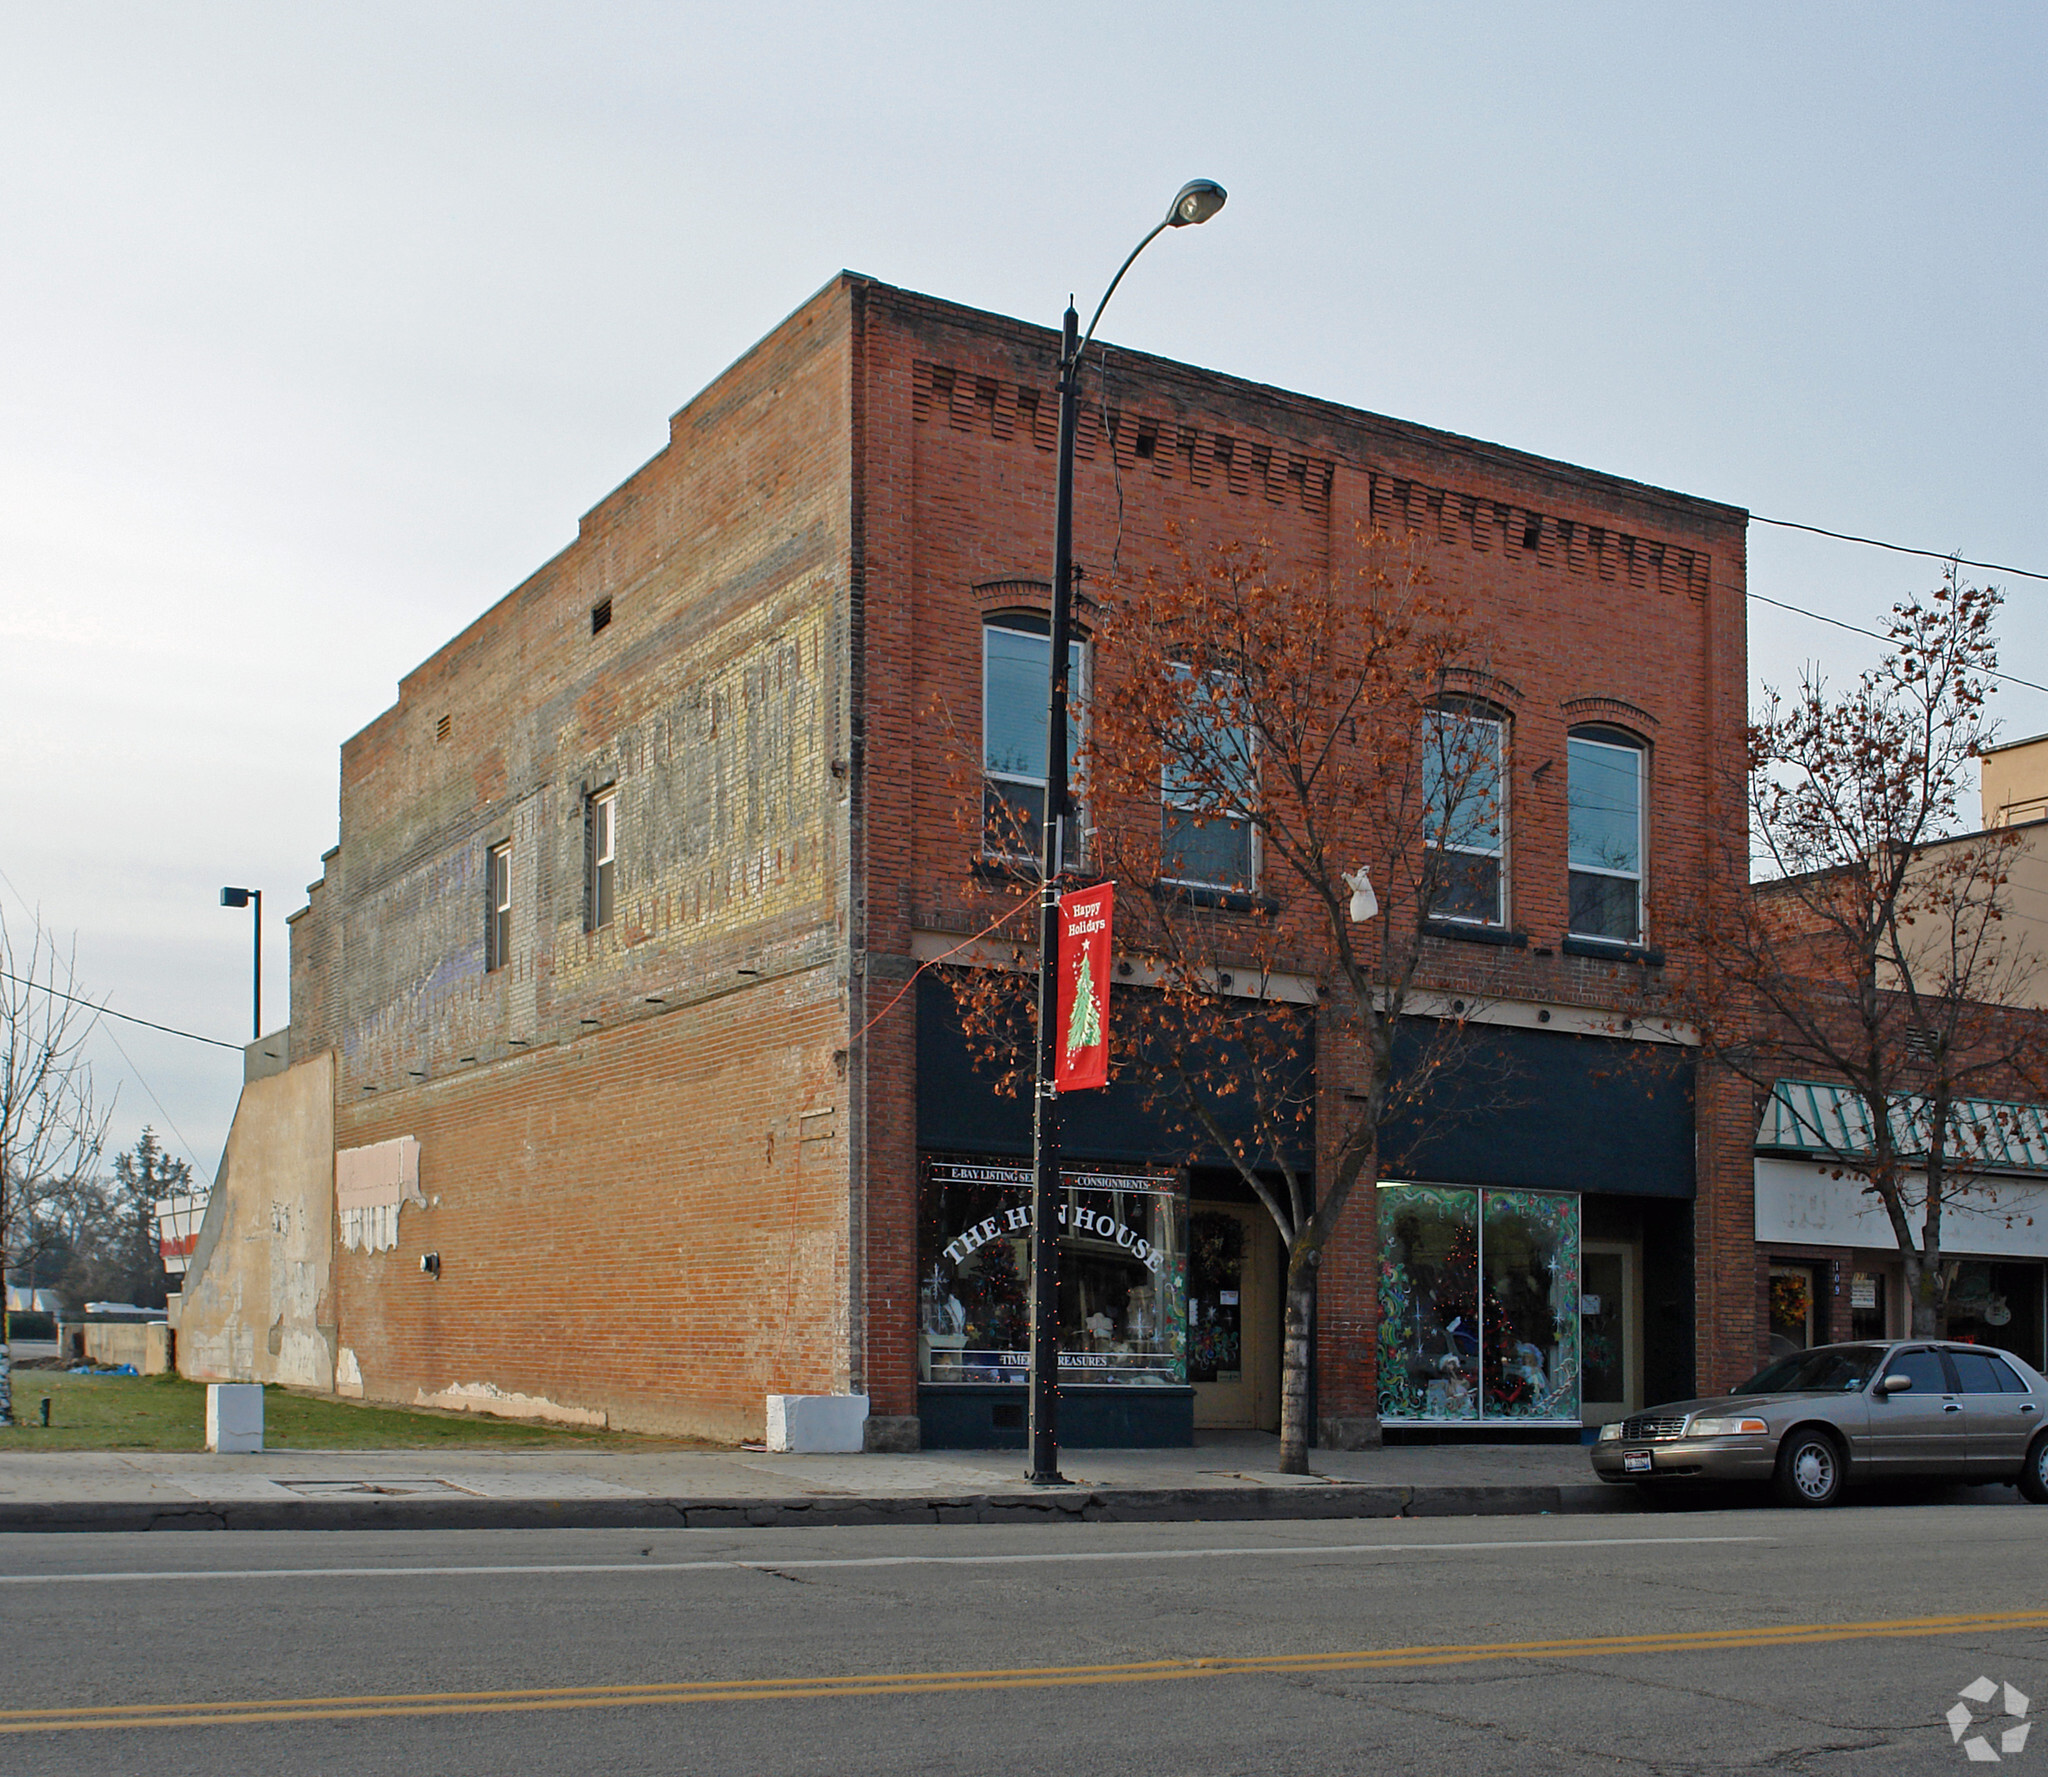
(1834,1369)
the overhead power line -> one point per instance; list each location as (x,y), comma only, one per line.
(1858,629)
(1787,524)
(109,1012)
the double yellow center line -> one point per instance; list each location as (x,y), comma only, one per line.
(912,1684)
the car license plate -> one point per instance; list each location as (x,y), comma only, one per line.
(1635,1462)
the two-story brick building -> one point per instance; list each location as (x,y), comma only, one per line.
(599,1004)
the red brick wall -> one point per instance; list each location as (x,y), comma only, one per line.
(1628,608)
(797,582)
(641,1222)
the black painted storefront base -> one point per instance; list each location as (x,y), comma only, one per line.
(1478,1431)
(991,1416)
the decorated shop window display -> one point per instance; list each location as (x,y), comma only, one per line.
(1123,1275)
(1479,1292)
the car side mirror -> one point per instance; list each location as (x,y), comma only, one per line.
(1894,1384)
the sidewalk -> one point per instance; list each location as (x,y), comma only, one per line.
(1227,1475)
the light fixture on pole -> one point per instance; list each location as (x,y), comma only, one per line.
(1195,202)
(246,897)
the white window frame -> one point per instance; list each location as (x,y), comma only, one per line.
(1017,623)
(498,932)
(1498,851)
(604,858)
(1245,817)
(1640,875)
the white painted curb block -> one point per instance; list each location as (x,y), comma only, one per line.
(234,1417)
(817,1424)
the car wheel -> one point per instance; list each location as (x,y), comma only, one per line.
(1809,1470)
(2034,1476)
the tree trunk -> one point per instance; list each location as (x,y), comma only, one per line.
(1294,1358)
(1923,1291)
(6,1373)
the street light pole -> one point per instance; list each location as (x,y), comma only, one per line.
(243,897)
(1195,202)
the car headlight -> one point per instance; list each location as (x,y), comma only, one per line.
(1610,1433)
(1726,1428)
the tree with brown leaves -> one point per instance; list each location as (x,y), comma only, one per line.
(1284,779)
(1875,951)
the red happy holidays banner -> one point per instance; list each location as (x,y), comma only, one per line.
(1081,1055)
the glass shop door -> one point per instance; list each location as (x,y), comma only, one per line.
(1234,1315)
(1610,1331)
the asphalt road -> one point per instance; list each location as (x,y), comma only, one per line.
(1711,1640)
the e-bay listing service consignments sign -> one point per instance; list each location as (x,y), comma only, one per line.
(1081,1057)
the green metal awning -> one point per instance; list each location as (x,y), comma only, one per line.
(1815,1120)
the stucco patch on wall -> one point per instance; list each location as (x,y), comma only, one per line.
(370,1185)
(348,1374)
(488,1397)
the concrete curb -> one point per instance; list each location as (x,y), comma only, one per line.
(1099,1505)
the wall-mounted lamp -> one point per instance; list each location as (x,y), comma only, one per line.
(430,1263)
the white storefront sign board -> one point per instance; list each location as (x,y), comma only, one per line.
(1799,1203)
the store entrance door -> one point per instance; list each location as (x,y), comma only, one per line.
(1610,1331)
(1234,1315)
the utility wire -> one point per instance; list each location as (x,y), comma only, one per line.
(109,1012)
(1858,629)
(72,974)
(1787,524)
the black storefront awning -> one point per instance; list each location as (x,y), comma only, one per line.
(1542,1111)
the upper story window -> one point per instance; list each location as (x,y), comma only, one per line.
(1016,656)
(498,926)
(604,857)
(1208,789)
(1464,780)
(1607,781)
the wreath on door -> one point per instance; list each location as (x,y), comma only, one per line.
(1791,1299)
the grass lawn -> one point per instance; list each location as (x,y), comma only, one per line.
(169,1413)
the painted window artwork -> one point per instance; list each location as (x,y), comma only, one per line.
(1123,1275)
(1479,1300)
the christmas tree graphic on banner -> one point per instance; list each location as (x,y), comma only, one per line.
(1084,1027)
(1081,1057)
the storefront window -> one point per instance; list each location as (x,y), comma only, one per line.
(1453,1350)
(1429,1303)
(1123,1276)
(1530,1345)
(1997,1305)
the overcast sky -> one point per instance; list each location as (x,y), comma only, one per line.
(321,324)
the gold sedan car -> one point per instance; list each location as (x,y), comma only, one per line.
(1812,1421)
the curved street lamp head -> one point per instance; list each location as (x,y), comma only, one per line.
(1196,201)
